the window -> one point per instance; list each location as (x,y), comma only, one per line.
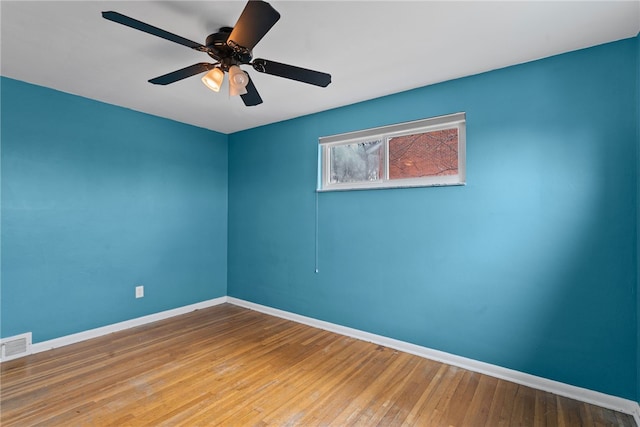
(423,153)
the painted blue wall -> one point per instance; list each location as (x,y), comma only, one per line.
(638,211)
(530,266)
(97,199)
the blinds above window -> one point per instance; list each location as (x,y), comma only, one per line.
(446,120)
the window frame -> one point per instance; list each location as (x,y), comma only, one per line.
(385,133)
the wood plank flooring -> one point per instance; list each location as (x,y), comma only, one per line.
(229,366)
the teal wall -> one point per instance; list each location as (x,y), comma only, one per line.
(638,211)
(531,266)
(97,199)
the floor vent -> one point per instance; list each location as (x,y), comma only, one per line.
(14,347)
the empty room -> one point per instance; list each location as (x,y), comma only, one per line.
(306,213)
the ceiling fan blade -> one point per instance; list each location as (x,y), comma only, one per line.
(139,25)
(183,73)
(252,97)
(290,72)
(256,20)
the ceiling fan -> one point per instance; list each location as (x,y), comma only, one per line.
(230,48)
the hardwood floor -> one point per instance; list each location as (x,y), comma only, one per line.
(229,366)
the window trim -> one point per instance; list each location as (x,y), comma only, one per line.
(449,121)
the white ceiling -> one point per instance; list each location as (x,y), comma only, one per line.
(371,49)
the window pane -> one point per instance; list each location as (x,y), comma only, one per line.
(357,162)
(424,154)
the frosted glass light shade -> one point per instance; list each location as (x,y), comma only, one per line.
(238,81)
(235,90)
(213,79)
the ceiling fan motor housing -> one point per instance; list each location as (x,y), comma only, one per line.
(222,52)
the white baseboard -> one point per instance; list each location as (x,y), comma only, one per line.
(582,394)
(104,330)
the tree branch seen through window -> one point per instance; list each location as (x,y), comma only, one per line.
(424,154)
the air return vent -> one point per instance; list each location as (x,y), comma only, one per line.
(14,347)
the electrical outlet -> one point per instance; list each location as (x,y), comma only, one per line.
(139,291)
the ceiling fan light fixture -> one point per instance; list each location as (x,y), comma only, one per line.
(238,81)
(213,79)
